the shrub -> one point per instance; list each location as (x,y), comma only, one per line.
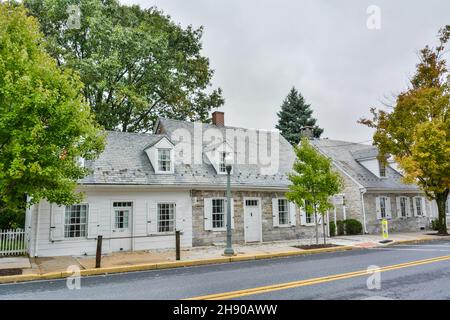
(353,226)
(340,228)
(435,224)
(332,229)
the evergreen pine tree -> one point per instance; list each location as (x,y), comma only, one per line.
(294,115)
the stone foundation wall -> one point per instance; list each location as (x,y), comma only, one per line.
(202,237)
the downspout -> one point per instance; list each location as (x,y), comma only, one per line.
(36,236)
(363,191)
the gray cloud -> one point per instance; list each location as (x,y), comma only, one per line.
(260,48)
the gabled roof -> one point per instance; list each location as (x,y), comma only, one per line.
(124,161)
(346,155)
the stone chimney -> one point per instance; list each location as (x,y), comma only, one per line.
(307,132)
(218,118)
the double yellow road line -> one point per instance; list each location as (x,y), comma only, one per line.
(308,282)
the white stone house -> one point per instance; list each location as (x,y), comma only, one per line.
(373,192)
(144,187)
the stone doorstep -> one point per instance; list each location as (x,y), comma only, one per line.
(15,263)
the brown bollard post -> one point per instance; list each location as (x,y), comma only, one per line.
(177,244)
(98,254)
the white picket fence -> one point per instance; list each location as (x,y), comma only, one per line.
(12,242)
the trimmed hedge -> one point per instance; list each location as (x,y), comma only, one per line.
(349,227)
(332,229)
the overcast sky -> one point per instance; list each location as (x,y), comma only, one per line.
(259,49)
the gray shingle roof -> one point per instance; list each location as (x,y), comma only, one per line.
(346,155)
(125,162)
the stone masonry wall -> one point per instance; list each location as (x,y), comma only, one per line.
(395,224)
(202,237)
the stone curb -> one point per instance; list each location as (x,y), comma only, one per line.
(419,240)
(169,265)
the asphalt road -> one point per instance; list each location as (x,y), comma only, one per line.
(424,280)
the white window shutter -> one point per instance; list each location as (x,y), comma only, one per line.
(57,223)
(408,207)
(414,206)
(178,219)
(232,212)
(93,224)
(424,207)
(302,216)
(207,211)
(152,217)
(399,209)
(319,218)
(377,206)
(292,212)
(388,208)
(275,216)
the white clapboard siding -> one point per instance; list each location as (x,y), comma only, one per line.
(12,242)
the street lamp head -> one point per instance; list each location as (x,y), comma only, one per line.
(229,161)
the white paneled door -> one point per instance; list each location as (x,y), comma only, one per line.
(121,230)
(252,219)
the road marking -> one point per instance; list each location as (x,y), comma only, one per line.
(308,282)
(412,249)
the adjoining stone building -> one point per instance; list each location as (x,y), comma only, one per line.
(373,192)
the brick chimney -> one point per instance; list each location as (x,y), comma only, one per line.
(218,118)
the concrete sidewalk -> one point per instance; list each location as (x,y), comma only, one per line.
(144,260)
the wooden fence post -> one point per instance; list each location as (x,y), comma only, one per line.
(98,254)
(177,244)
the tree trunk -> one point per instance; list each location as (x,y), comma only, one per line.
(441,199)
(316,225)
(323,229)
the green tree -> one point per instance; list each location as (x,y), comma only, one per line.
(416,132)
(313,183)
(136,64)
(294,115)
(45,124)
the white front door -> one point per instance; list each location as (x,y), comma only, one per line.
(121,231)
(252,219)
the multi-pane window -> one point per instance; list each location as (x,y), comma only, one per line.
(418,204)
(403,206)
(164,161)
(75,221)
(382,167)
(251,203)
(283,212)
(309,218)
(383,207)
(166,217)
(222,164)
(122,214)
(218,213)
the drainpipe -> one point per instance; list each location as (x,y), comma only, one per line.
(36,237)
(363,191)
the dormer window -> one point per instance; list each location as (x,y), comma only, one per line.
(164,160)
(222,164)
(382,167)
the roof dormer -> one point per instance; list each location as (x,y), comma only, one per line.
(217,155)
(161,155)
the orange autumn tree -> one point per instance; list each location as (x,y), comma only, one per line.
(416,131)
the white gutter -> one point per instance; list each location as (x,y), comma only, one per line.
(36,236)
(363,191)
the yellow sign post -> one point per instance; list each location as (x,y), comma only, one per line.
(384,229)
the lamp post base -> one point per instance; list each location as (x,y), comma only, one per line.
(228,252)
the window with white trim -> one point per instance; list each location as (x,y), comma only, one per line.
(283,212)
(166,217)
(222,164)
(122,214)
(309,214)
(75,221)
(218,213)
(164,160)
(403,206)
(383,208)
(418,206)
(382,168)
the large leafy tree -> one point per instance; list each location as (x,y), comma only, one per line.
(136,64)
(313,182)
(417,131)
(45,124)
(294,115)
